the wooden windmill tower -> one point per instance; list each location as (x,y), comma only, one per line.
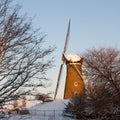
(74,83)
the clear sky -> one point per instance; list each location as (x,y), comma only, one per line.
(94,23)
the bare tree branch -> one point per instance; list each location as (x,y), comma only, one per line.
(23,57)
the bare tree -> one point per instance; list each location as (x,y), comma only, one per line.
(23,55)
(104,73)
(102,99)
(103,65)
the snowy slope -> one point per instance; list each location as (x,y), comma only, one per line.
(54,105)
(47,111)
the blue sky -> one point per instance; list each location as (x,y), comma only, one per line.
(94,23)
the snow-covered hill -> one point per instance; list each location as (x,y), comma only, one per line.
(54,105)
(47,111)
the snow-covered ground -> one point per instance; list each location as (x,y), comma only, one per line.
(47,111)
(54,105)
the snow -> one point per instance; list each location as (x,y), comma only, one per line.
(73,57)
(54,105)
(43,111)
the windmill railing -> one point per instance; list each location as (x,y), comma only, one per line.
(35,114)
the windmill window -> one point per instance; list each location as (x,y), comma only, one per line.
(75,84)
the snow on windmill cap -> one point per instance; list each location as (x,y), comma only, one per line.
(73,57)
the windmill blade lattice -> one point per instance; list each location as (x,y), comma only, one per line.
(58,81)
(61,66)
(67,38)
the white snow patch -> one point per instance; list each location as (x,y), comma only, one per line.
(73,57)
(54,105)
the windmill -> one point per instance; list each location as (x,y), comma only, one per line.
(74,83)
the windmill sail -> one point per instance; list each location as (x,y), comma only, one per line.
(67,38)
(58,81)
(61,66)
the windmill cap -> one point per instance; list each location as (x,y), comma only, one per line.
(73,57)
